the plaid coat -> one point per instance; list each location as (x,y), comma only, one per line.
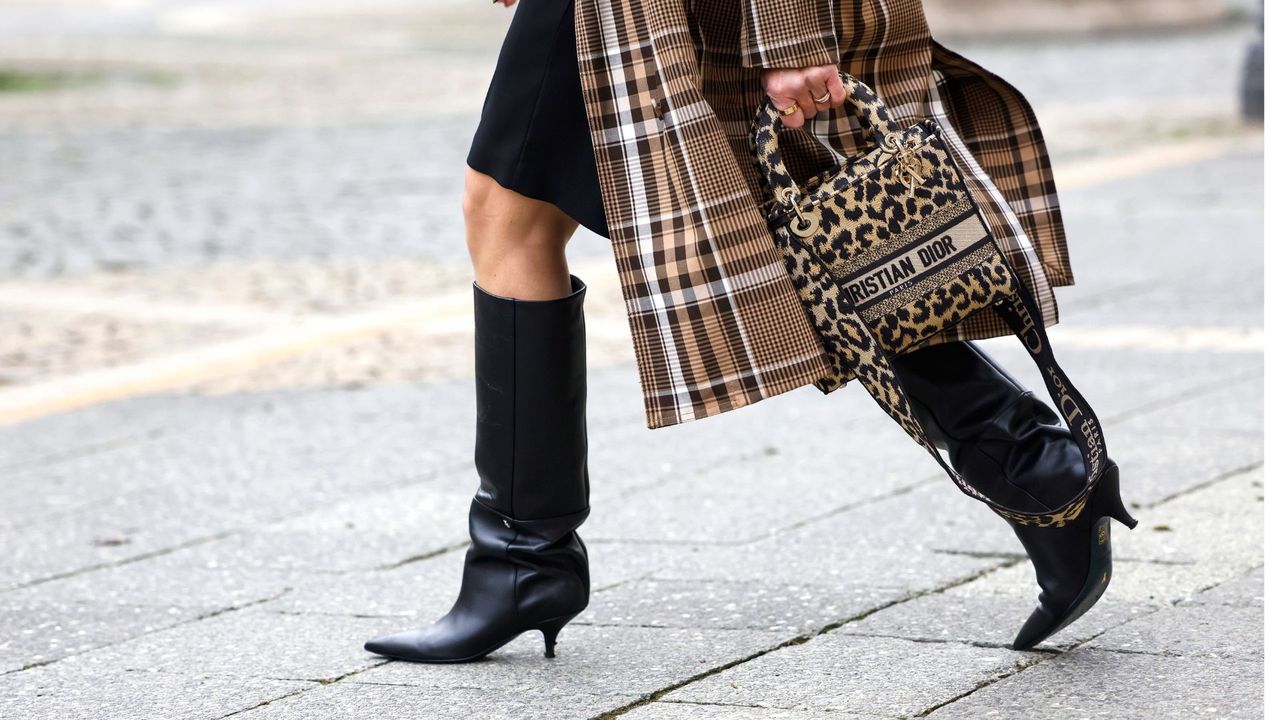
(671,87)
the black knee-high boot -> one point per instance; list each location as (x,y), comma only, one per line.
(1010,445)
(526,568)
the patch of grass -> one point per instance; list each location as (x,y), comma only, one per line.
(14,81)
(158,78)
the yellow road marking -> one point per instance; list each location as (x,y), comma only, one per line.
(71,300)
(186,368)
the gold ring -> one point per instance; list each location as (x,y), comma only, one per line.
(788,111)
(823,99)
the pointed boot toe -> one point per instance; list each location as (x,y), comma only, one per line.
(444,641)
(1036,628)
(401,645)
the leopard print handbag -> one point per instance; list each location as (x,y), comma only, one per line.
(886,249)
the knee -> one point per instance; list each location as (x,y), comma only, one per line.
(502,220)
(480,198)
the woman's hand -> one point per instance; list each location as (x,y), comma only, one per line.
(801,87)
(506,3)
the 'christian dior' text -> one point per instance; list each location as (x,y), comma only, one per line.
(897,274)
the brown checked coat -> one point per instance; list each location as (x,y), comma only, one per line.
(671,87)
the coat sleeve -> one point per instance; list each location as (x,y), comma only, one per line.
(788,33)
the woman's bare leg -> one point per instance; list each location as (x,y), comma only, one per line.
(516,243)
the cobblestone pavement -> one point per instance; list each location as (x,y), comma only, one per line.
(235,413)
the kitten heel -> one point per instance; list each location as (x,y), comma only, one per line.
(550,629)
(1108,500)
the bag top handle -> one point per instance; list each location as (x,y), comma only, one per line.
(870,110)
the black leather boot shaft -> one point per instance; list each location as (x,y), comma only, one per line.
(531,395)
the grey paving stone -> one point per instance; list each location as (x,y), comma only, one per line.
(1232,407)
(359,533)
(988,619)
(776,431)
(1193,630)
(664,710)
(30,463)
(1222,294)
(179,579)
(1154,470)
(361,701)
(1220,523)
(418,591)
(39,554)
(896,542)
(289,452)
(943,519)
(1151,582)
(752,497)
(328,552)
(1129,686)
(856,564)
(247,644)
(139,520)
(65,692)
(1173,229)
(615,563)
(589,659)
(794,609)
(1244,590)
(50,440)
(933,516)
(885,677)
(140,523)
(252,436)
(1158,462)
(45,632)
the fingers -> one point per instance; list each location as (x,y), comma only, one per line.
(835,86)
(808,108)
(799,87)
(782,103)
(795,119)
(818,89)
